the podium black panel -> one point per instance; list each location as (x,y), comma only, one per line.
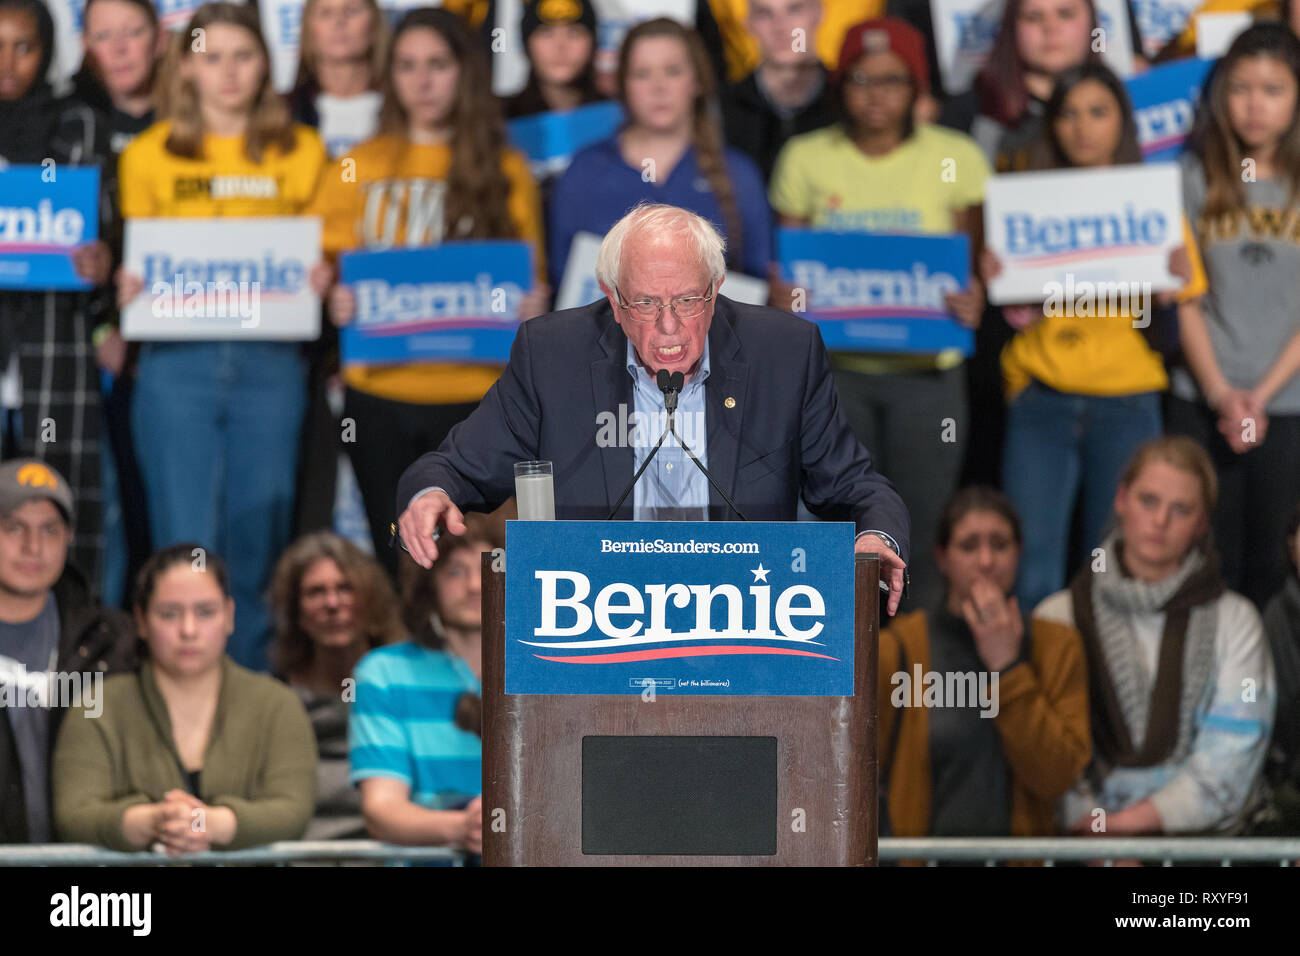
(695,796)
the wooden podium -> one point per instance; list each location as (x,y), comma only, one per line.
(824,749)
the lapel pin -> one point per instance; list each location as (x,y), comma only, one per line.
(729,402)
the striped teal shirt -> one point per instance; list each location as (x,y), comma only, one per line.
(402,724)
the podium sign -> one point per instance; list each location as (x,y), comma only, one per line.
(692,608)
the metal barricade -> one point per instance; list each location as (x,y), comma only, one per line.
(934,851)
(273,854)
(1165,851)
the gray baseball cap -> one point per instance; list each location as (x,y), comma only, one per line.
(27,479)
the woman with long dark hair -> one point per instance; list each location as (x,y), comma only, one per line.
(1082,384)
(1037,41)
(1240,393)
(560,43)
(439,170)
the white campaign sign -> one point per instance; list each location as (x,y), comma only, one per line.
(282,27)
(739,287)
(1112,17)
(964,31)
(509,60)
(67,16)
(223,278)
(1117,224)
(1159,21)
(578,286)
(615,17)
(1216,31)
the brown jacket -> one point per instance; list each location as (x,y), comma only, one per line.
(1042,717)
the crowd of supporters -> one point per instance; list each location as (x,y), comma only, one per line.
(1101,535)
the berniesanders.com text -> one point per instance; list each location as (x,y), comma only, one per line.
(660,546)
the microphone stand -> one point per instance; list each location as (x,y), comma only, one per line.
(671,386)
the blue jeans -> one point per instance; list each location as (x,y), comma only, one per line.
(217,427)
(1057,445)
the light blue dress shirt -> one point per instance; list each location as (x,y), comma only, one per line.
(672,488)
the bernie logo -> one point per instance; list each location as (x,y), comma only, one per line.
(622,621)
(1041,240)
(1157,21)
(976,31)
(1164,125)
(40,228)
(175,13)
(290,21)
(272,276)
(411,306)
(845,293)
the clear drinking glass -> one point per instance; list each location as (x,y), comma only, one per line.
(535,491)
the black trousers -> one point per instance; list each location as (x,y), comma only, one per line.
(388,437)
(1258,490)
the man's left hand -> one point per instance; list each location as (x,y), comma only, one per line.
(891,565)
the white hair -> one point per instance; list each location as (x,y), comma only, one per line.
(661,218)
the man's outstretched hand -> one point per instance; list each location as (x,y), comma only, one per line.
(421,518)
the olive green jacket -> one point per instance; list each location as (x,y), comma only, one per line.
(260,761)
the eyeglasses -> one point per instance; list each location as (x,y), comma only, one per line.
(684,306)
(890,83)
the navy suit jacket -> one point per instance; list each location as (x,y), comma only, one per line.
(785,434)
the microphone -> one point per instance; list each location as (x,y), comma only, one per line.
(671,385)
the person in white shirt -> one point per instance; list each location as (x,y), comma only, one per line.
(1180,675)
(340,67)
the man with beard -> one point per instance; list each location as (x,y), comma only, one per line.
(413,734)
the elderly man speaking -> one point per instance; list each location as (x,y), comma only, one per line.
(759,408)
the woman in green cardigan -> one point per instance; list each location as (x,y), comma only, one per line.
(193,752)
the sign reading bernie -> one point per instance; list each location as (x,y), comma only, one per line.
(683,607)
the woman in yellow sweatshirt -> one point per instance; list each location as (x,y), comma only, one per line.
(439,170)
(217,424)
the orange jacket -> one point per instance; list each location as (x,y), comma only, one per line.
(1042,718)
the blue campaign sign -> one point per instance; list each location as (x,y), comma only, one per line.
(454,302)
(1164,105)
(549,140)
(42,222)
(691,607)
(879,293)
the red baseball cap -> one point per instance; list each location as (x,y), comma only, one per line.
(887,35)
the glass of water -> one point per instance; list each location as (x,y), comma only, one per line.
(535,491)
